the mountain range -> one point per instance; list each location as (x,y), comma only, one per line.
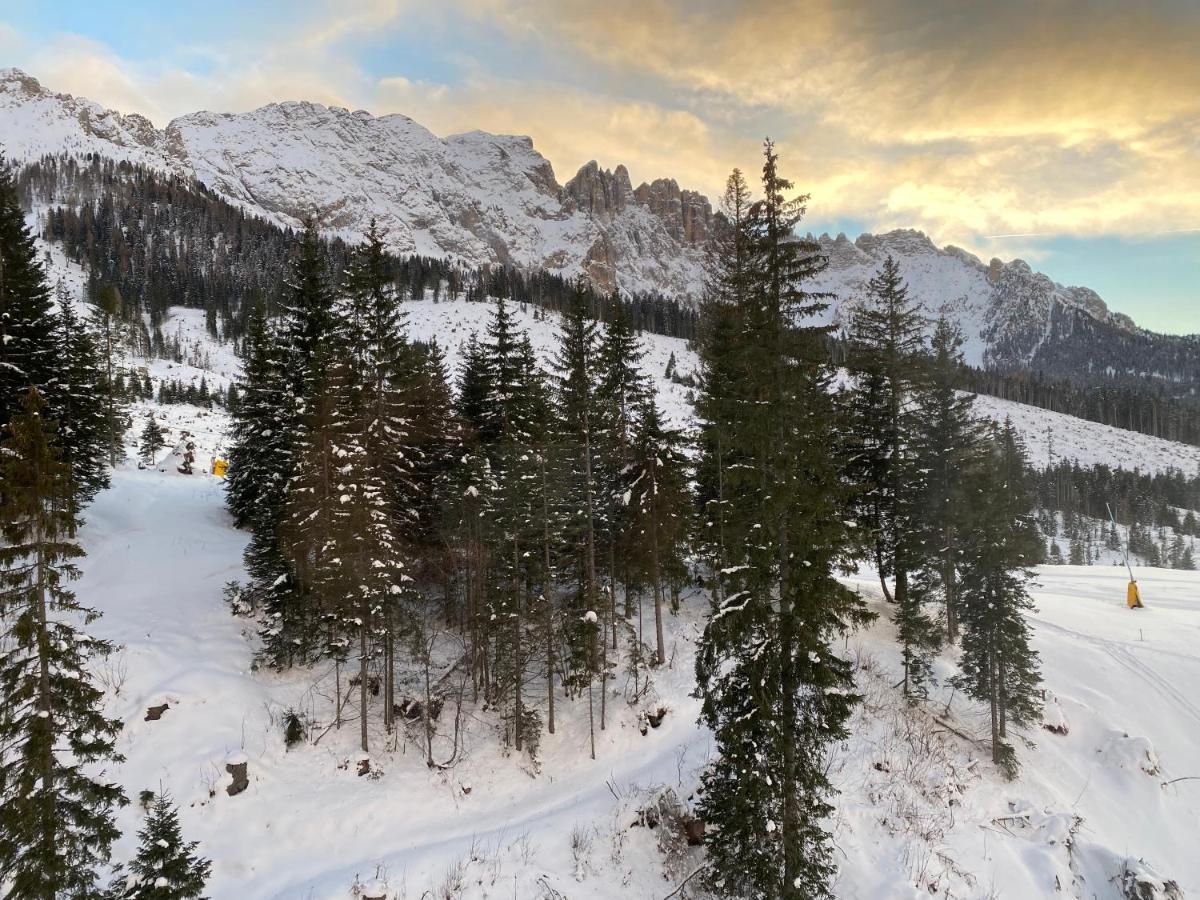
(490,199)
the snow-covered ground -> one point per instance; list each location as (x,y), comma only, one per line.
(922,812)
(920,805)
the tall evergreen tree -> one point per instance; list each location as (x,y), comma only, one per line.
(716,404)
(998,665)
(946,439)
(888,362)
(656,496)
(56,809)
(576,414)
(77,405)
(308,319)
(27,329)
(774,693)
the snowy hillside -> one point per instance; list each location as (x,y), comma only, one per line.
(1047,434)
(922,811)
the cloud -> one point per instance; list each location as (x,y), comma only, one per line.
(965,118)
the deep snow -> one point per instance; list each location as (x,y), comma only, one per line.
(922,811)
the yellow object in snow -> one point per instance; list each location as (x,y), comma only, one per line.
(1133,597)
(219,467)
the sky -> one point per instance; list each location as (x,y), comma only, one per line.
(1063,132)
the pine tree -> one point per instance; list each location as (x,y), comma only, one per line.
(77,405)
(717,401)
(166,866)
(264,431)
(151,442)
(998,666)
(56,822)
(887,360)
(258,458)
(576,367)
(621,395)
(308,319)
(945,438)
(657,498)
(472,385)
(28,335)
(774,693)
(109,311)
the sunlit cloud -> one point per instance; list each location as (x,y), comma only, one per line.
(970,120)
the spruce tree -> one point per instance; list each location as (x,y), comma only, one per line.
(774,692)
(109,313)
(307,320)
(998,666)
(166,866)
(151,441)
(945,439)
(264,431)
(887,361)
(657,499)
(716,403)
(77,405)
(28,335)
(575,416)
(56,808)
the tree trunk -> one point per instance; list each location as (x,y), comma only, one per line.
(993,698)
(364,612)
(655,572)
(547,593)
(950,586)
(517,668)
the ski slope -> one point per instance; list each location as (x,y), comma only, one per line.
(922,812)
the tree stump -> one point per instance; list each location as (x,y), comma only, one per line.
(237,766)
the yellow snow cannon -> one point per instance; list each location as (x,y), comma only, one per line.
(1132,596)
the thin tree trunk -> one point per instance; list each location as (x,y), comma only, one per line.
(950,585)
(516,616)
(43,640)
(993,699)
(655,573)
(364,611)
(547,591)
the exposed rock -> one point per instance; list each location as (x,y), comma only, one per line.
(687,215)
(154,713)
(599,192)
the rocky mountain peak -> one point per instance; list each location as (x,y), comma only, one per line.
(599,192)
(686,214)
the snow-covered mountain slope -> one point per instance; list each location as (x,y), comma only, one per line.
(921,812)
(1010,315)
(493,199)
(477,197)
